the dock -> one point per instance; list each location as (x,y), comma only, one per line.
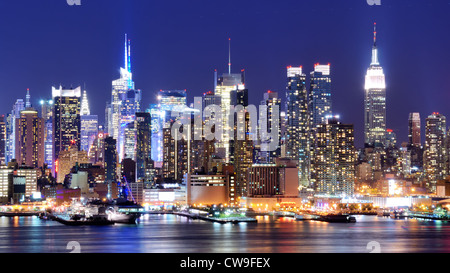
(232,220)
(20,214)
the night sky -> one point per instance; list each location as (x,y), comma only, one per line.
(178,44)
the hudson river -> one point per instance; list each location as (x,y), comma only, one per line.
(176,234)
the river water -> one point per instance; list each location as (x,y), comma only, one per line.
(177,234)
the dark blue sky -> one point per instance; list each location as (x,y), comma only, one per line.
(178,44)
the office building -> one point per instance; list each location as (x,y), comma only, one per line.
(110,163)
(273,103)
(125,102)
(335,157)
(30,141)
(226,88)
(2,140)
(435,152)
(375,101)
(18,106)
(47,115)
(297,123)
(89,125)
(66,120)
(143,146)
(320,103)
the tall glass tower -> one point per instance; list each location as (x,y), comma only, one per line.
(89,125)
(435,153)
(320,94)
(298,123)
(66,120)
(125,102)
(375,101)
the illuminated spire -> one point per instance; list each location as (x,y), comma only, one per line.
(374,48)
(126,54)
(28,103)
(375,34)
(85,105)
(129,56)
(229,55)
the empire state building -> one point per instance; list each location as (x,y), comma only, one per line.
(375,101)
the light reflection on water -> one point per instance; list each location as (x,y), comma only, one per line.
(176,234)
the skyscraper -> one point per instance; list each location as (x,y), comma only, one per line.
(169,102)
(125,102)
(143,146)
(156,133)
(335,156)
(320,102)
(30,139)
(129,142)
(225,88)
(273,102)
(110,163)
(435,152)
(89,125)
(66,120)
(2,140)
(298,123)
(414,130)
(375,101)
(47,115)
(11,129)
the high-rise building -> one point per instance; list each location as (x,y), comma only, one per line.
(242,148)
(226,88)
(30,176)
(129,145)
(89,125)
(30,139)
(47,115)
(169,102)
(143,146)
(209,98)
(67,160)
(130,106)
(320,102)
(335,157)
(156,133)
(391,139)
(110,163)
(125,102)
(375,101)
(2,140)
(97,150)
(273,103)
(6,184)
(414,130)
(272,180)
(298,123)
(66,120)
(435,152)
(18,106)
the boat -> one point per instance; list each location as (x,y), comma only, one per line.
(337,218)
(305,217)
(398,214)
(120,217)
(97,220)
(383,213)
(20,214)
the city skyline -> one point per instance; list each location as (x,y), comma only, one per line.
(348,60)
(244,127)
